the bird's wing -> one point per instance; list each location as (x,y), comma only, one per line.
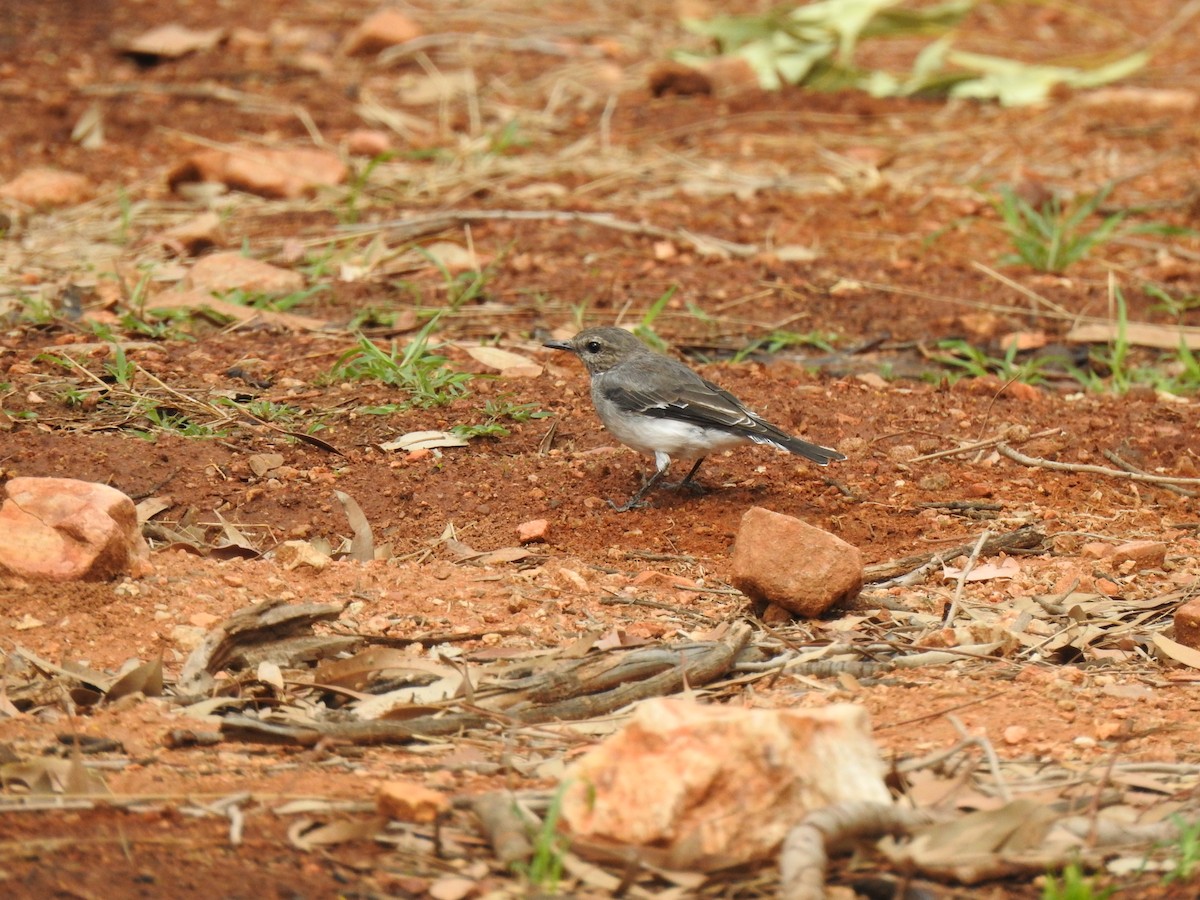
(700,402)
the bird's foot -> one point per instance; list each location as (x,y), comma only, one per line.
(694,488)
(634,502)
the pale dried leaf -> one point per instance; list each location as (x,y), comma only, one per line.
(424,440)
(304,836)
(172,41)
(1139,334)
(89,128)
(504,555)
(1009,568)
(151,507)
(270,673)
(262,463)
(358,671)
(362,546)
(1181,653)
(146,679)
(504,360)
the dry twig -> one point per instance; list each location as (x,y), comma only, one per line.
(1038,462)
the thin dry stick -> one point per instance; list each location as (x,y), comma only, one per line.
(1038,462)
(1038,299)
(408,229)
(1130,467)
(989,753)
(962,577)
(981,445)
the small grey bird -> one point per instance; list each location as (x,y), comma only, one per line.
(662,408)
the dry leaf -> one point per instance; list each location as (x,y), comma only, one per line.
(503,555)
(511,365)
(270,673)
(172,41)
(362,546)
(1009,568)
(360,669)
(424,440)
(1181,653)
(1139,334)
(89,128)
(393,703)
(146,679)
(307,835)
(151,507)
(262,463)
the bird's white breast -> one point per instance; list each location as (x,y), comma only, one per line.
(678,440)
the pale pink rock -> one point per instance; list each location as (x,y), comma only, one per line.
(231,271)
(703,787)
(42,188)
(285,174)
(411,801)
(193,235)
(61,529)
(1096,550)
(383,29)
(781,560)
(1143,554)
(533,531)
(368,142)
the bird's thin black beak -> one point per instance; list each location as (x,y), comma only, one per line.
(559,345)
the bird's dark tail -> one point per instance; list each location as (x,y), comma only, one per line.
(822,456)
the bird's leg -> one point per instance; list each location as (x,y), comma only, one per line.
(636,501)
(688,484)
(691,472)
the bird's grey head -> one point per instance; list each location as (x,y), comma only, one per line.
(601,348)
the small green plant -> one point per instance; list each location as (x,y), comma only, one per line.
(544,869)
(34,310)
(1115,357)
(507,139)
(1172,306)
(465,287)
(814,44)
(358,184)
(417,369)
(645,328)
(126,216)
(271,302)
(1074,885)
(968,361)
(264,410)
(164,327)
(779,340)
(72,397)
(375,317)
(177,422)
(495,410)
(122,369)
(483,429)
(318,265)
(1187,851)
(1054,236)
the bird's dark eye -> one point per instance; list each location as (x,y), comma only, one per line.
(592,346)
